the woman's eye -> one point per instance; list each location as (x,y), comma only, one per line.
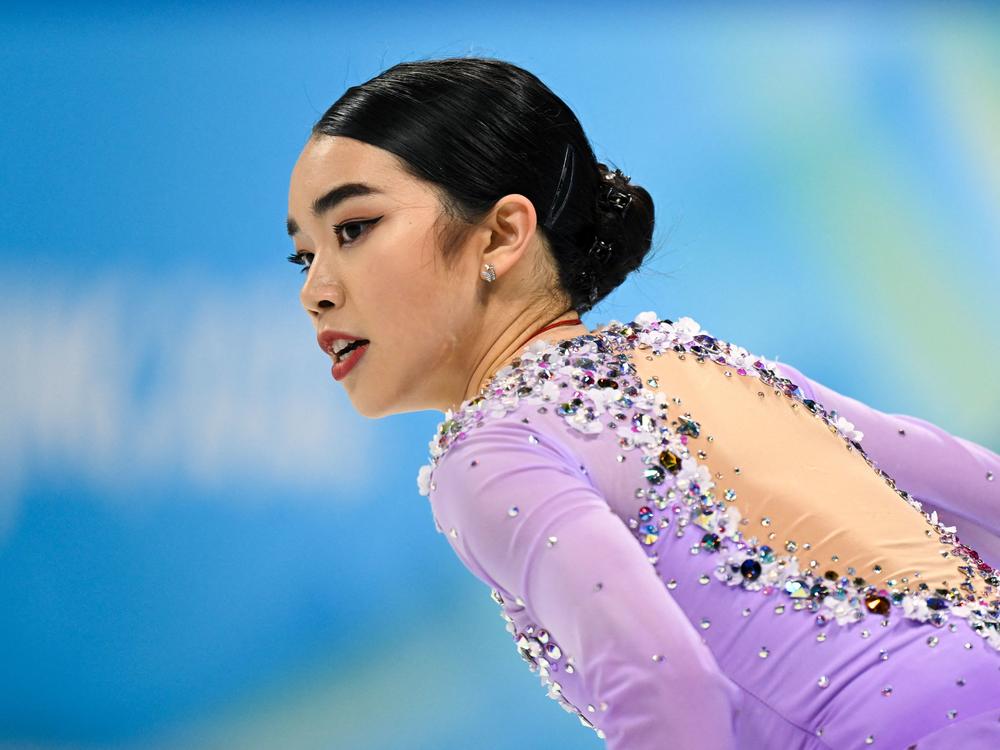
(300,259)
(345,237)
(345,233)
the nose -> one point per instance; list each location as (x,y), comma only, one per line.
(320,291)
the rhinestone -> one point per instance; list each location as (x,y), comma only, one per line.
(877,603)
(823,681)
(952,713)
(705,623)
(670,461)
(869,739)
(657,657)
(675,456)
(689,427)
(750,569)
(551,541)
(672,583)
(887,691)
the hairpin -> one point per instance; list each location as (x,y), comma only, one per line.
(600,251)
(618,199)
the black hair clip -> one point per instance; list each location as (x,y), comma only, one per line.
(600,251)
(618,199)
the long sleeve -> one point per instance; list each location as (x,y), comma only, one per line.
(523,516)
(954,476)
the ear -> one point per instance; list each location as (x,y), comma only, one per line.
(510,228)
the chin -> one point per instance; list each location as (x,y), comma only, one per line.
(372,409)
(367,410)
(381,409)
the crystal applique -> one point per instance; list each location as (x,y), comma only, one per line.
(590,382)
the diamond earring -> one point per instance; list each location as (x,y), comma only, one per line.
(489,273)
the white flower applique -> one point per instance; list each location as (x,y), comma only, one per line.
(684,330)
(424,480)
(939,524)
(645,318)
(740,357)
(846,428)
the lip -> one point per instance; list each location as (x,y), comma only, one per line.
(340,369)
(326,338)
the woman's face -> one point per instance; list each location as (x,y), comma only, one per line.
(383,281)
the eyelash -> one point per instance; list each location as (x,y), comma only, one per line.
(299,258)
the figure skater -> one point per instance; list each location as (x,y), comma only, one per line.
(691,545)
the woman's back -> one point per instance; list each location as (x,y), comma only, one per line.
(800,483)
(757,583)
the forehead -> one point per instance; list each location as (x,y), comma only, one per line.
(331,160)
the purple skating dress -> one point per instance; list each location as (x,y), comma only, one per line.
(695,547)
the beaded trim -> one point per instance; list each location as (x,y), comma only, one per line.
(680,490)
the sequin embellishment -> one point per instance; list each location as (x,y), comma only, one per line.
(544,657)
(678,489)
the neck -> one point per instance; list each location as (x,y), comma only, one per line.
(565,326)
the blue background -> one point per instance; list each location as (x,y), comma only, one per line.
(201,543)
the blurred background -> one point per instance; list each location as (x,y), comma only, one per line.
(201,543)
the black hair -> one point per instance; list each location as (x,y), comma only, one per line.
(479,129)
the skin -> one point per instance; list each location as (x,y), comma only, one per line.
(437,334)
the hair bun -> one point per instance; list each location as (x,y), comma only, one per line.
(623,229)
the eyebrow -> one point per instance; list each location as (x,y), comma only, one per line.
(332,198)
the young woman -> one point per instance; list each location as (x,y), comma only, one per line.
(692,546)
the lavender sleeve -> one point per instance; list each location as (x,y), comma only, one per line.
(523,516)
(956,477)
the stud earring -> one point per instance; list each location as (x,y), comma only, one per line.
(489,272)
